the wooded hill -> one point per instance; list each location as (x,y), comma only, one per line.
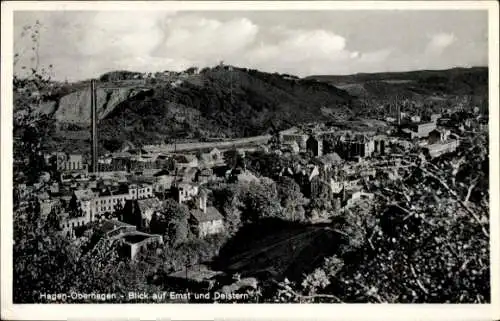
(216,102)
(455,81)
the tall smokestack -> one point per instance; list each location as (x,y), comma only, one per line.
(93,122)
(398,111)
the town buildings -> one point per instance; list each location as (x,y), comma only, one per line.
(89,204)
(64,162)
(183,192)
(139,212)
(300,138)
(212,158)
(206,220)
(418,130)
(441,148)
(355,147)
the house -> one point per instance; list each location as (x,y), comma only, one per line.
(415,119)
(184,192)
(301,139)
(69,162)
(46,206)
(327,162)
(140,190)
(93,202)
(163,182)
(242,176)
(135,242)
(212,158)
(204,176)
(83,201)
(314,145)
(68,177)
(132,241)
(54,188)
(143,161)
(359,196)
(185,161)
(435,117)
(163,162)
(438,149)
(206,220)
(380,143)
(263,148)
(121,161)
(68,224)
(104,164)
(357,146)
(139,212)
(438,136)
(419,130)
(291,147)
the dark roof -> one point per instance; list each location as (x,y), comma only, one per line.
(109,225)
(135,237)
(149,203)
(212,214)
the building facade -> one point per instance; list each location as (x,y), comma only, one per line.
(314,145)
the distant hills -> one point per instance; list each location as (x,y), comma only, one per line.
(227,101)
(413,84)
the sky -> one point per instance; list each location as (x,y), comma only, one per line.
(85,44)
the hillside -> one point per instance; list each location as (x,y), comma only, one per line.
(225,102)
(284,250)
(413,84)
(217,102)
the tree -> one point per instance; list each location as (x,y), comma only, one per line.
(171,222)
(291,198)
(260,200)
(226,200)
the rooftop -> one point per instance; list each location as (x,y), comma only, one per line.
(330,158)
(135,237)
(84,194)
(184,158)
(212,214)
(110,225)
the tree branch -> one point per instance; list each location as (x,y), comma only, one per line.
(452,192)
(471,187)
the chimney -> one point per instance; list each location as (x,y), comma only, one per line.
(93,122)
(203,202)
